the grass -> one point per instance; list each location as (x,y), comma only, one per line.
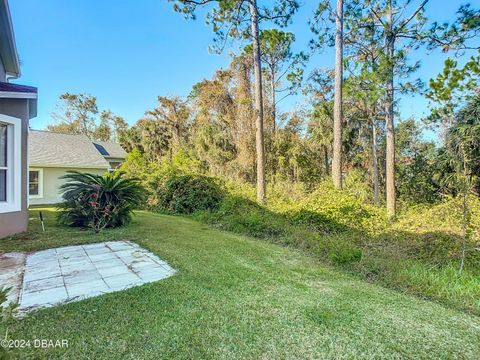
(236,297)
(418,255)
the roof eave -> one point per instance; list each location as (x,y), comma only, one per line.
(115,157)
(8,50)
(71,166)
(30,97)
(17,95)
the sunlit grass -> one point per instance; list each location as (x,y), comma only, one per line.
(236,297)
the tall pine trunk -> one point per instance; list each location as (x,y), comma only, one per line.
(274,108)
(325,160)
(390,157)
(337,111)
(274,125)
(257,66)
(376,185)
(244,129)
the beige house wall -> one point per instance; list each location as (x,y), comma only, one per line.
(50,183)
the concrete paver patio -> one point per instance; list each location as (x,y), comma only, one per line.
(11,273)
(77,272)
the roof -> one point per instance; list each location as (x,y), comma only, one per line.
(15,91)
(50,149)
(110,149)
(8,49)
(15,88)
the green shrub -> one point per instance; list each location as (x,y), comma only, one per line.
(153,174)
(358,185)
(345,209)
(97,201)
(434,233)
(316,221)
(246,217)
(187,194)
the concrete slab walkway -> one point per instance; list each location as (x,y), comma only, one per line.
(12,266)
(77,272)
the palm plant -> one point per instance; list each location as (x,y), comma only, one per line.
(98,201)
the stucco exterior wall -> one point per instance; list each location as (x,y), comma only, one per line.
(15,222)
(51,183)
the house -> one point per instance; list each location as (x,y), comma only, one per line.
(112,152)
(53,154)
(18,104)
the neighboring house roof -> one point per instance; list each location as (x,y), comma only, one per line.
(110,149)
(52,149)
(8,49)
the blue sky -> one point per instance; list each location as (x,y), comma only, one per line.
(128,52)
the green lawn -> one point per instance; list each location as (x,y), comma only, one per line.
(237,297)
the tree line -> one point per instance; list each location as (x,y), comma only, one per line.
(230,125)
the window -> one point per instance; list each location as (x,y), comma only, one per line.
(35,183)
(115,164)
(10,164)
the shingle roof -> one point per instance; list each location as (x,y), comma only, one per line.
(9,87)
(63,150)
(110,149)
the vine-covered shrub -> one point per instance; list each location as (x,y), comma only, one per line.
(435,233)
(245,216)
(345,209)
(316,221)
(98,201)
(187,194)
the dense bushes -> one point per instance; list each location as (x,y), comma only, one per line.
(435,234)
(244,216)
(345,209)
(188,193)
(152,175)
(97,201)
(316,221)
